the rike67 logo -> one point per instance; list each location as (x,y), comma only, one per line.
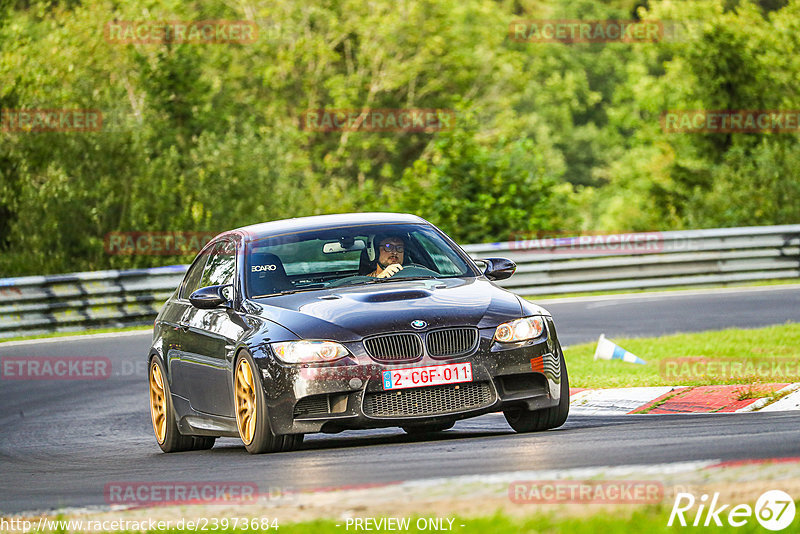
(774,510)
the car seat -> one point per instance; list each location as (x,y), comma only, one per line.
(267,275)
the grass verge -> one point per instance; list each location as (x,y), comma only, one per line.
(772,344)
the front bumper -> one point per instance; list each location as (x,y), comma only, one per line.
(350,394)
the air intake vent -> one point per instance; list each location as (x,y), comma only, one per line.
(394,347)
(314,405)
(432,400)
(451,341)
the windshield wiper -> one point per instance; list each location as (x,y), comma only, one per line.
(384,280)
(286,292)
(393,279)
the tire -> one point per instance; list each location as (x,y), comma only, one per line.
(252,420)
(427,428)
(524,420)
(162,414)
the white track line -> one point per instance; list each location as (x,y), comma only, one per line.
(77,337)
(616,401)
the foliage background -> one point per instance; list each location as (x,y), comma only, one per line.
(548,136)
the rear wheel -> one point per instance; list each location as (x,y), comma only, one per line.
(427,428)
(251,412)
(162,414)
(524,420)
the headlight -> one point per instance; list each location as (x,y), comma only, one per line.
(519,330)
(307,351)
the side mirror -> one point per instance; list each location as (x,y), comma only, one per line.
(498,268)
(210,297)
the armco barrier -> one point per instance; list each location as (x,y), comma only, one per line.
(69,302)
(682,258)
(37,304)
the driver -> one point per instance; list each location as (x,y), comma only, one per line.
(390,257)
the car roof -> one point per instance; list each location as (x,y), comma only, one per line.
(322,222)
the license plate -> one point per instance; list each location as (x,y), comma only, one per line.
(433,375)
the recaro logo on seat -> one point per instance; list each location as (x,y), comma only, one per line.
(259,268)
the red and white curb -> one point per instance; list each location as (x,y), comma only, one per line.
(685,399)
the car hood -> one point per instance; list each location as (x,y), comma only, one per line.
(351,313)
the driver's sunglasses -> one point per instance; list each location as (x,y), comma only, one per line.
(389,247)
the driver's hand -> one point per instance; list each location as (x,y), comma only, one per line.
(391,270)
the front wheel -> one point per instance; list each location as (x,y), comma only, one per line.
(162,414)
(251,412)
(524,420)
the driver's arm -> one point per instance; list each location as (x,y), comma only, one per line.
(391,270)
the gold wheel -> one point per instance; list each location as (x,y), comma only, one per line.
(245,401)
(158,403)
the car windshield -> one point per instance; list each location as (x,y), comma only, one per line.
(344,256)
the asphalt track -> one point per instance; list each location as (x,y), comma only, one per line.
(61,442)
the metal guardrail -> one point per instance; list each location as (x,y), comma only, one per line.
(663,259)
(73,302)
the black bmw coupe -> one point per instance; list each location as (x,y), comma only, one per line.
(352,321)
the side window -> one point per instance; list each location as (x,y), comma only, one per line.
(221,265)
(445,261)
(191,282)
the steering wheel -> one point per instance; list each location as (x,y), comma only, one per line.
(414,269)
(355,279)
